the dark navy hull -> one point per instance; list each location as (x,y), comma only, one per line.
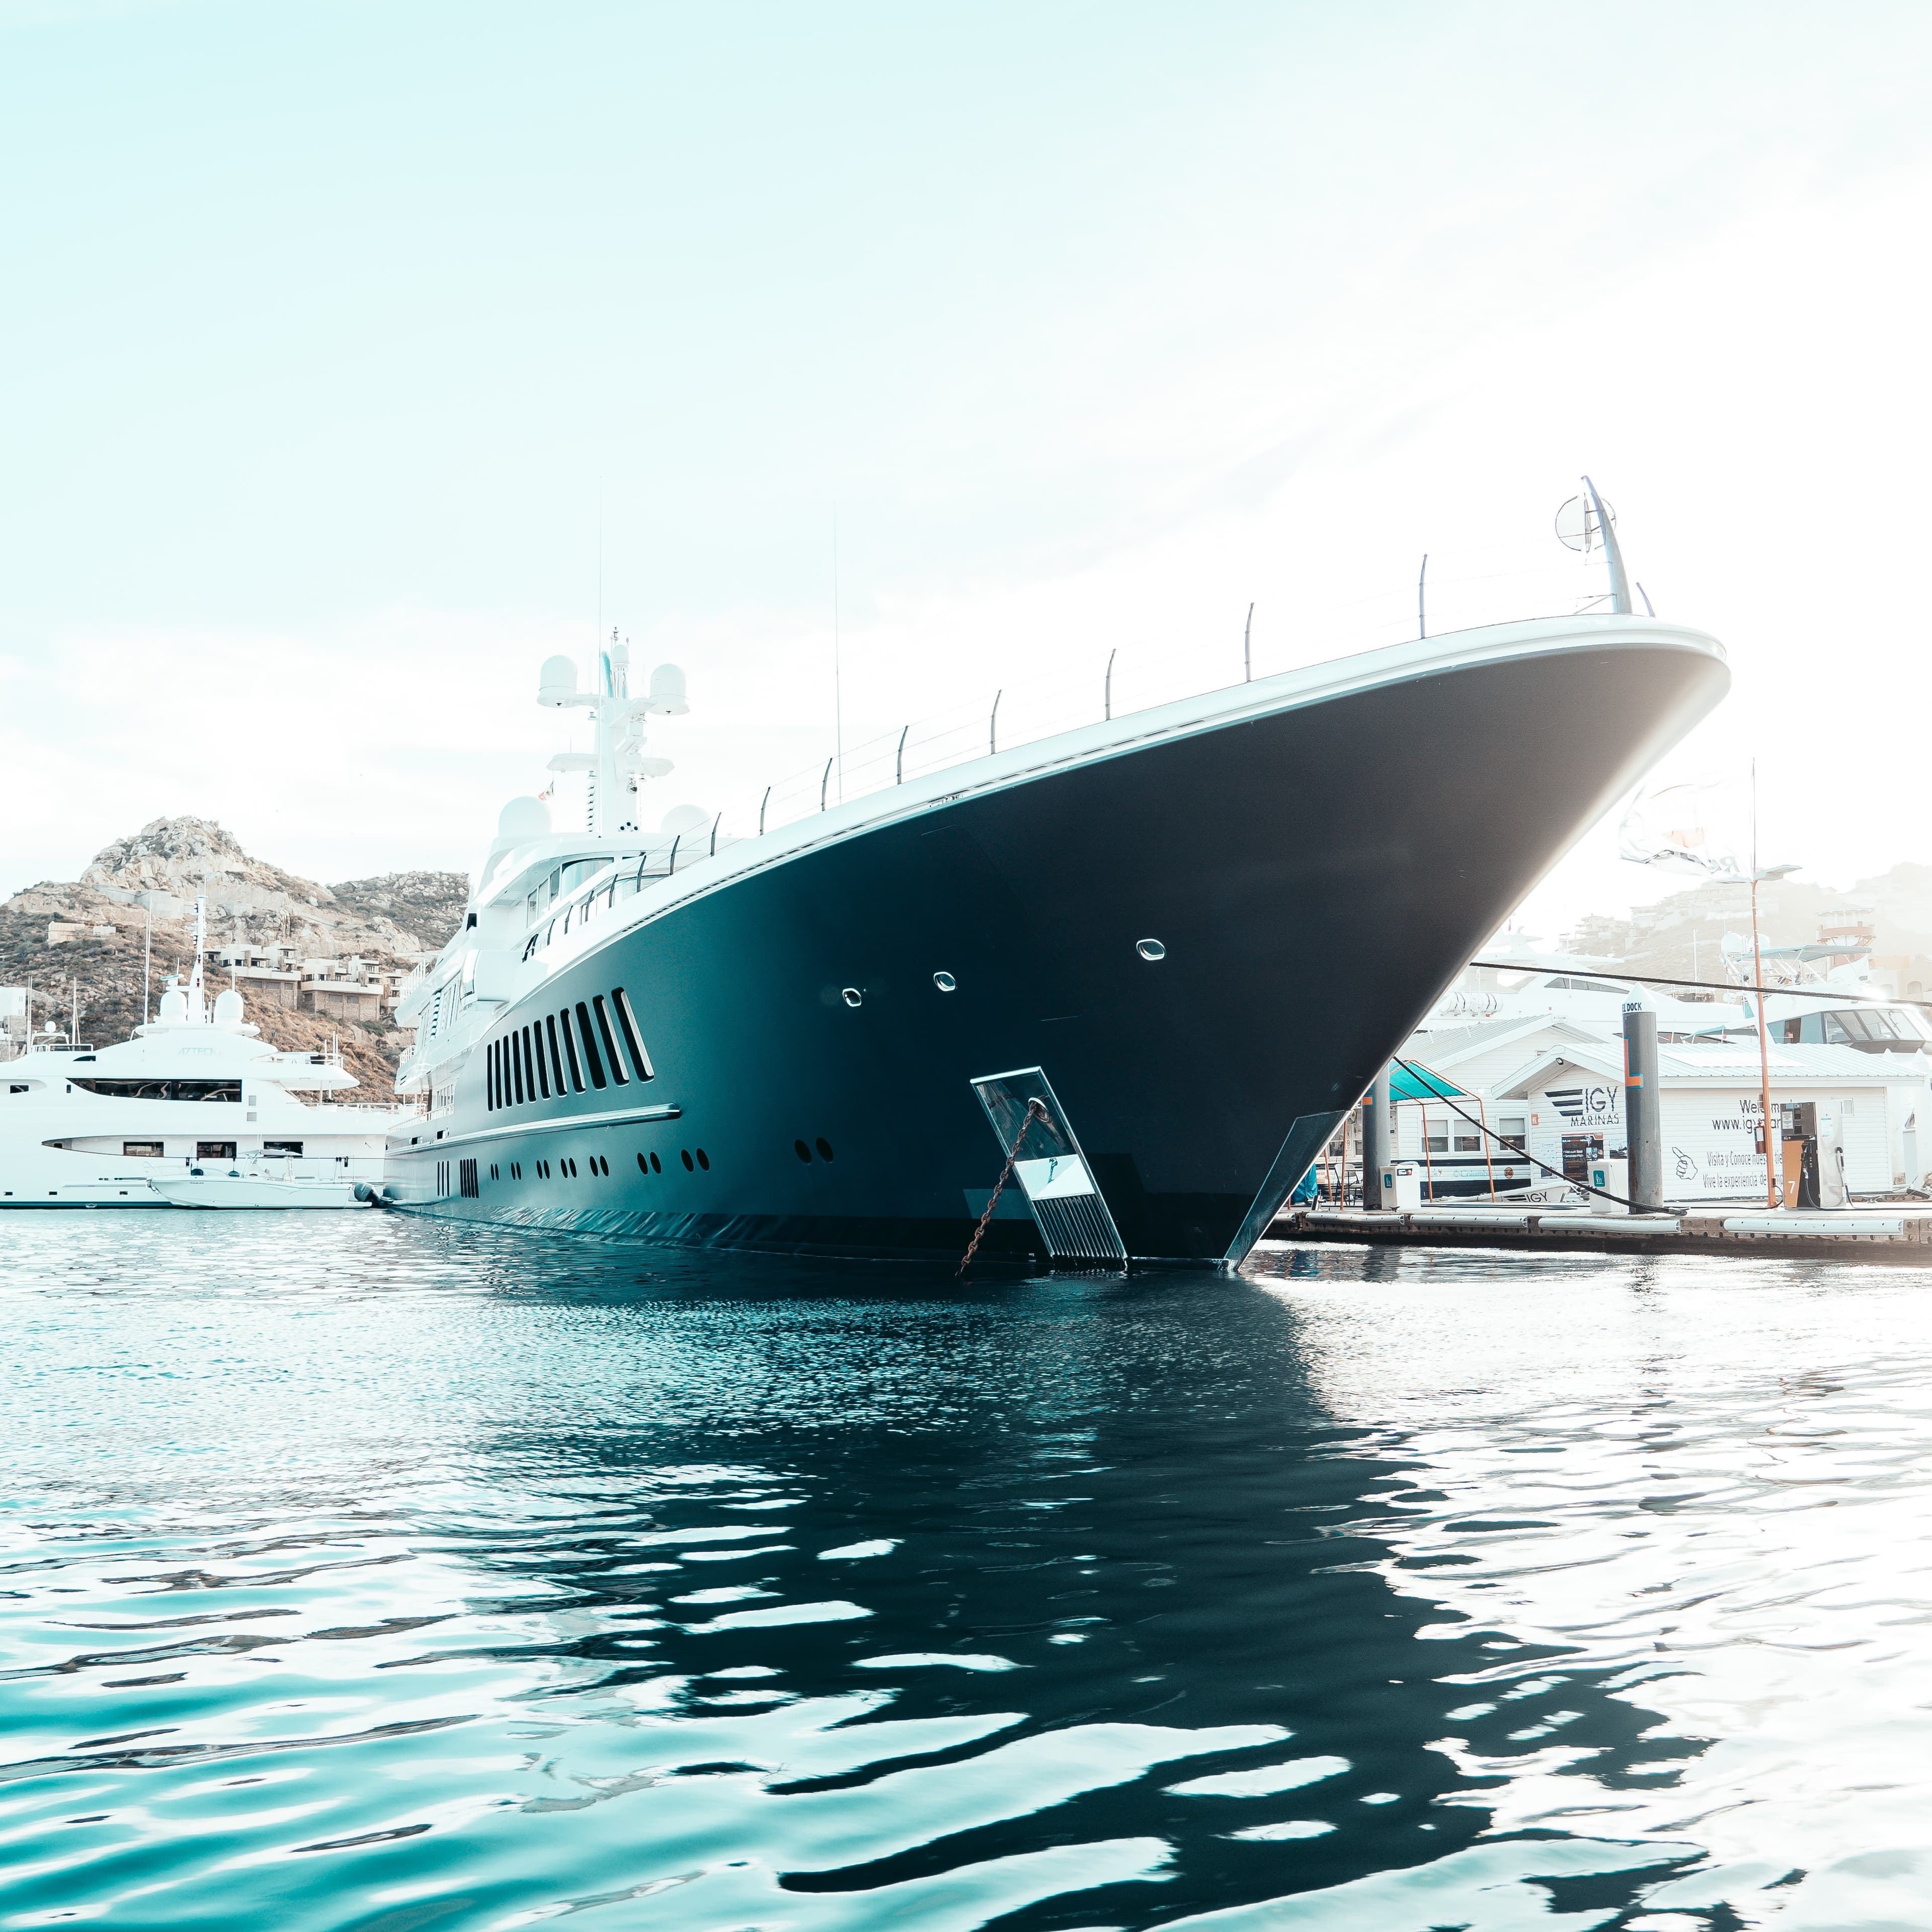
(1317,876)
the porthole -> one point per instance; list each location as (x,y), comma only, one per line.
(657,1165)
(644,1165)
(824,1146)
(704,1160)
(851,996)
(686,1153)
(1149,949)
(944,982)
(803,1152)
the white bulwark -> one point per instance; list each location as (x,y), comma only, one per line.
(1712,1113)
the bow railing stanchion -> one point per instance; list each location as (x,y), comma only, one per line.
(762,803)
(993,725)
(1107,690)
(823,782)
(715,824)
(898,767)
(672,868)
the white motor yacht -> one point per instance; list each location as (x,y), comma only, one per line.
(195,1093)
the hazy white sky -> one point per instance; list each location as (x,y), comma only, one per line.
(331,335)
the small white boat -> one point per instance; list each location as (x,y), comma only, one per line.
(231,1187)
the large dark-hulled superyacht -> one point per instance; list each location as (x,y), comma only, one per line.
(1110,954)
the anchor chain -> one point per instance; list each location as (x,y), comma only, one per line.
(1036,1111)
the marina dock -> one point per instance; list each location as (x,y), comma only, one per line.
(1883,1232)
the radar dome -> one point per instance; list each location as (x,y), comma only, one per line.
(521,820)
(667,691)
(556,682)
(228,1008)
(681,818)
(174,1007)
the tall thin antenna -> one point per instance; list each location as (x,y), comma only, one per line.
(1247,662)
(838,685)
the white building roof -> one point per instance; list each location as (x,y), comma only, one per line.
(1729,1063)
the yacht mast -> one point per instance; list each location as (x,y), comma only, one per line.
(197,1006)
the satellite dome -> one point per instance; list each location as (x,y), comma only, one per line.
(174,1007)
(228,1008)
(684,818)
(556,682)
(667,691)
(521,820)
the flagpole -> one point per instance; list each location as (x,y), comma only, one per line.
(1763,1043)
(1640,843)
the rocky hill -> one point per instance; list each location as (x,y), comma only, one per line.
(389,921)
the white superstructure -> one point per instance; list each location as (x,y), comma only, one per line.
(83,1127)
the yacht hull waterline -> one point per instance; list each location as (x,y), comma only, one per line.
(814,1006)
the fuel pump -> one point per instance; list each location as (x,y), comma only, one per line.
(1817,1128)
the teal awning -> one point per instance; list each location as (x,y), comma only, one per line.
(1405,1086)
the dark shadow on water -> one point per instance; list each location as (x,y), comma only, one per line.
(1125,1490)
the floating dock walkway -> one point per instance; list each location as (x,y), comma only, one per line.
(1881,1232)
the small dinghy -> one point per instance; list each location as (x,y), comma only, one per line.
(230,1187)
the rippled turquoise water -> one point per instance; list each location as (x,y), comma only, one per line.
(359,1572)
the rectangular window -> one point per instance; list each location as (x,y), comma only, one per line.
(627,1021)
(283,1147)
(570,1048)
(1468,1143)
(523,1054)
(590,1044)
(556,1062)
(1436,1143)
(616,1058)
(1514,1128)
(541,1070)
(466,1172)
(516,1069)
(215,1150)
(490,1078)
(142,1150)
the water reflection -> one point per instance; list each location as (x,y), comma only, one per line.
(403,1577)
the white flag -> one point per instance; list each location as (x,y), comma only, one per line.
(1684,828)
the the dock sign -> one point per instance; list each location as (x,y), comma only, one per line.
(1594,1106)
